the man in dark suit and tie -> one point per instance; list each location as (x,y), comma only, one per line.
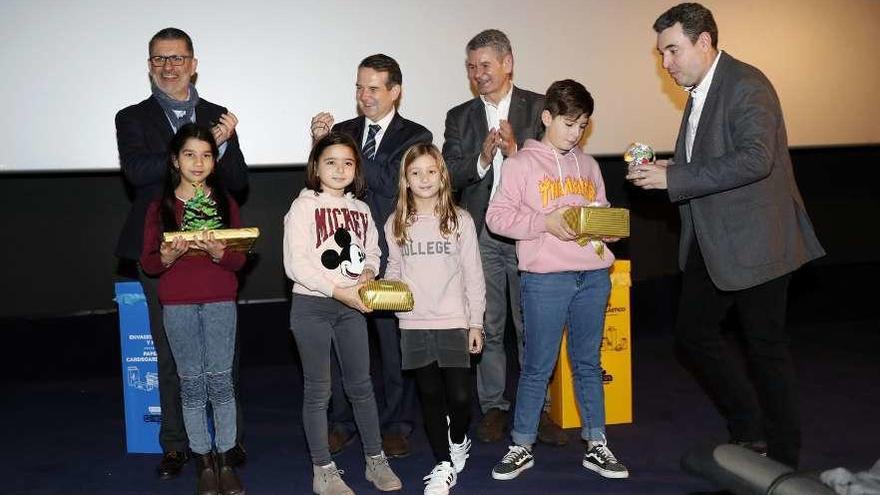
(143,132)
(383,135)
(744,230)
(479,134)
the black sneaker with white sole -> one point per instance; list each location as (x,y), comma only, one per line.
(517,460)
(599,458)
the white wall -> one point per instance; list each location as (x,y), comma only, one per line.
(68,66)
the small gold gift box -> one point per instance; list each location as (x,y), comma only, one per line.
(387,295)
(236,239)
(591,222)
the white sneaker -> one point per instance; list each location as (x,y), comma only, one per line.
(459,452)
(327,480)
(441,479)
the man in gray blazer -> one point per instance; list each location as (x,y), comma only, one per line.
(744,230)
(479,134)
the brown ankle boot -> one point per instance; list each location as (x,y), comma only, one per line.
(229,482)
(207,474)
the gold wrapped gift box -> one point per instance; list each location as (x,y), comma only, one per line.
(387,295)
(591,222)
(236,239)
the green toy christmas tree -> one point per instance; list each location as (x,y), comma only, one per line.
(200,212)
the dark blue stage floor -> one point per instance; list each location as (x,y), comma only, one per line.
(64,435)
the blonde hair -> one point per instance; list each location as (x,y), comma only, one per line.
(405,211)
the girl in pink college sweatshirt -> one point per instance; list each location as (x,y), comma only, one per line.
(563,284)
(432,246)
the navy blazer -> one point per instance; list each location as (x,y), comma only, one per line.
(737,197)
(142,137)
(382,172)
(466,129)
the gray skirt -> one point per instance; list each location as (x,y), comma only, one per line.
(449,347)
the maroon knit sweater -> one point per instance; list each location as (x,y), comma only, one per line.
(193,278)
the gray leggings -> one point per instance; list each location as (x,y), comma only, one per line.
(317,322)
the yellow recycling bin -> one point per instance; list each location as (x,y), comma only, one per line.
(616,361)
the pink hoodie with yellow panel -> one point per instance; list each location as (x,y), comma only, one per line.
(534,182)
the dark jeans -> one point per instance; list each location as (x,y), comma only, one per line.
(319,323)
(764,407)
(172,432)
(397,402)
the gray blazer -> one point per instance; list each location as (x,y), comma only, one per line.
(466,129)
(738,197)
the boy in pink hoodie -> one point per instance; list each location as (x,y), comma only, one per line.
(563,283)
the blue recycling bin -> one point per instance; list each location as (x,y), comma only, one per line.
(140,377)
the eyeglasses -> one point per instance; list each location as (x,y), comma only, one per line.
(159,60)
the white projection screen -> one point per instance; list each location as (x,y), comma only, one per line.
(69,65)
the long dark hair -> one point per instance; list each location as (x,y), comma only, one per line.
(358,186)
(172,177)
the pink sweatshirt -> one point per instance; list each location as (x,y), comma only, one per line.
(444,275)
(328,242)
(534,182)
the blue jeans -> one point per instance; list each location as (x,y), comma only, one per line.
(550,302)
(202,338)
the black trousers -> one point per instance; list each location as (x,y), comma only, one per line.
(445,392)
(759,403)
(172,432)
(395,390)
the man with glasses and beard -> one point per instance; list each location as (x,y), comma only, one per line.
(143,132)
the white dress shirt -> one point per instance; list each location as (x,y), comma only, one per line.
(494,115)
(383,124)
(698,93)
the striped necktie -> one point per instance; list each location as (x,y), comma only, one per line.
(369,150)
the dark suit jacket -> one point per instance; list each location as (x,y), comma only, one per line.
(466,129)
(738,197)
(142,136)
(383,170)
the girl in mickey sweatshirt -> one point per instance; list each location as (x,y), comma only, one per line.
(330,250)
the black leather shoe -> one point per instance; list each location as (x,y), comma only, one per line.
(171,464)
(208,482)
(550,433)
(230,484)
(338,439)
(493,425)
(236,456)
(395,445)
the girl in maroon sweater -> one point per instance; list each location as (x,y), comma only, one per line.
(198,293)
